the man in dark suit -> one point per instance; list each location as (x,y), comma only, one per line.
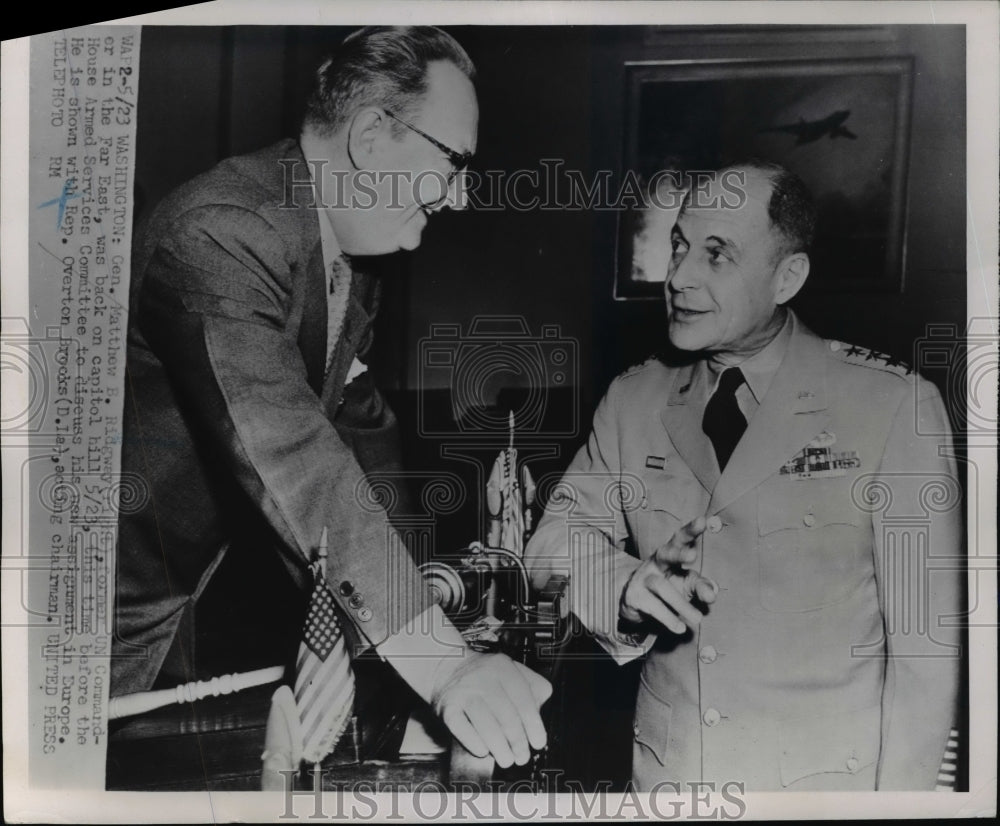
(248,413)
(801,492)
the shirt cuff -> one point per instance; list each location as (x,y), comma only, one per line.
(422,648)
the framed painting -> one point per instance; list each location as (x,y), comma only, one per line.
(841,125)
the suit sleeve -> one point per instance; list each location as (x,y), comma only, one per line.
(920,563)
(583,531)
(215,305)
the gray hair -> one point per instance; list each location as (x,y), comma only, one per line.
(383,66)
(791,207)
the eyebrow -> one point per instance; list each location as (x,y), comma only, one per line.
(726,243)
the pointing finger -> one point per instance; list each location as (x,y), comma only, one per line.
(680,548)
(651,605)
(675,599)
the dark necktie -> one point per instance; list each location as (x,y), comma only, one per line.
(724,424)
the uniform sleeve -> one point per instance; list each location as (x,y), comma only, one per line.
(920,563)
(582,535)
(214,308)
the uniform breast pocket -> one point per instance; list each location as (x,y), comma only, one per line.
(668,502)
(814,546)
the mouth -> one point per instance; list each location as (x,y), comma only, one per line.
(683,314)
(412,237)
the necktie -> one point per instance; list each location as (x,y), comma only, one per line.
(324,681)
(338,290)
(723,423)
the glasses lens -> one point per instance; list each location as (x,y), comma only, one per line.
(432,189)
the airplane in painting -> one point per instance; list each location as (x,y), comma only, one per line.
(808,131)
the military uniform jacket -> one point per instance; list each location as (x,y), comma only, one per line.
(830,657)
(235,428)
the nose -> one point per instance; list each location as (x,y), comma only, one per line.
(456,197)
(453,197)
(681,275)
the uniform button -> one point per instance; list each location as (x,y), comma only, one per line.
(365,614)
(808,520)
(852,764)
(708,654)
(346,588)
(636,730)
(711,717)
(714,524)
(835,346)
(356,601)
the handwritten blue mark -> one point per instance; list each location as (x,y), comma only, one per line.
(66,195)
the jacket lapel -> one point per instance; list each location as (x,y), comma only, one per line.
(312,333)
(682,420)
(311,336)
(358,321)
(793,412)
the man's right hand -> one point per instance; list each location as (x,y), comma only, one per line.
(661,588)
(490,703)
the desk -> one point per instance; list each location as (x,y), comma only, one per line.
(216,744)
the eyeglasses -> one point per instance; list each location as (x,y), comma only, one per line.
(458,160)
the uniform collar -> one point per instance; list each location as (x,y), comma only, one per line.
(791,413)
(759,369)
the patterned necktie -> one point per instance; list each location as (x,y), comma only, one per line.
(324,681)
(723,423)
(338,290)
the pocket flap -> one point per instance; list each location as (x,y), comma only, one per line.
(806,503)
(676,494)
(651,726)
(843,743)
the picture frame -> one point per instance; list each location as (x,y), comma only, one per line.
(842,125)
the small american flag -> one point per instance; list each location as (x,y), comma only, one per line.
(324,681)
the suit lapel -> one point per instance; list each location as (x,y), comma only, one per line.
(311,337)
(793,412)
(357,323)
(312,333)
(682,419)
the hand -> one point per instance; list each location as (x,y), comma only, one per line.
(490,703)
(662,586)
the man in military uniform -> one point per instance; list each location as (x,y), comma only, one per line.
(781,483)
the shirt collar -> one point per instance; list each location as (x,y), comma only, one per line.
(331,247)
(759,369)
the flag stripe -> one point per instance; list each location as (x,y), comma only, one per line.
(331,723)
(307,678)
(315,703)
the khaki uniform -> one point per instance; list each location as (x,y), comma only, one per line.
(830,658)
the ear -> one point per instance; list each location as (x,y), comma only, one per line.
(791,275)
(364,133)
